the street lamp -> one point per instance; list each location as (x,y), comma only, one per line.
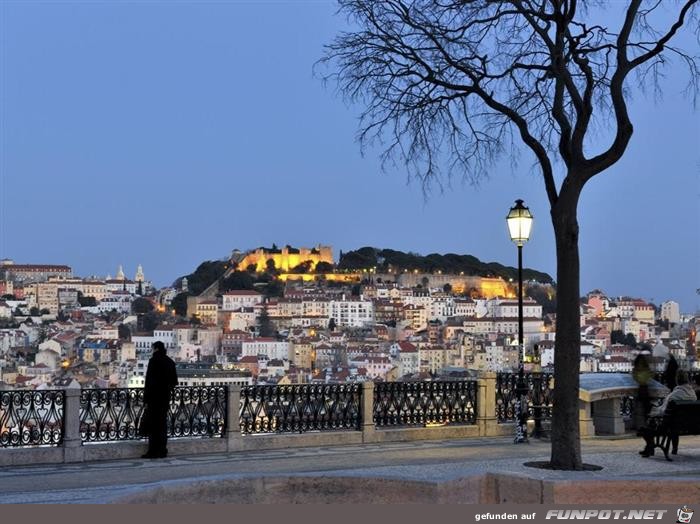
(519,221)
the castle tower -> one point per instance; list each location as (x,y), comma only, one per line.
(183,285)
(139,274)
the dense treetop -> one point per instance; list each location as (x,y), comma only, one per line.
(385,259)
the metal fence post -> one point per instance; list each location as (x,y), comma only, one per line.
(233,418)
(367,402)
(537,404)
(72,442)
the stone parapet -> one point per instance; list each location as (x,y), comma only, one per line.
(483,488)
(605,418)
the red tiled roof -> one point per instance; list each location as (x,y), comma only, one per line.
(407,347)
(38,267)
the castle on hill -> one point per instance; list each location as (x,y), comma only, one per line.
(285,258)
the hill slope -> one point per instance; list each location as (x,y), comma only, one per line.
(385,259)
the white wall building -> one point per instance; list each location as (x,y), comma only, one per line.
(270,347)
(670,311)
(352,313)
(143,343)
(376,366)
(166,335)
(465,308)
(119,302)
(234,300)
(500,308)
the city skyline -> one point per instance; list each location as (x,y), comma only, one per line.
(106,140)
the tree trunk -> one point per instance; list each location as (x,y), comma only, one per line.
(566,445)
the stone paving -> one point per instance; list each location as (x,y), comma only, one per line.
(432,461)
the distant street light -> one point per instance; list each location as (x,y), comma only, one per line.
(519,222)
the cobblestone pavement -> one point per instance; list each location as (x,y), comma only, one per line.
(97,482)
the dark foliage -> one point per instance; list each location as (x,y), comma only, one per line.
(385,259)
(204,276)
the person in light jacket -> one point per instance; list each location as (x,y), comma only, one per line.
(683,391)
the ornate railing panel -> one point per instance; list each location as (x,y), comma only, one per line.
(300,408)
(110,414)
(31,418)
(115,414)
(627,406)
(539,395)
(198,411)
(420,403)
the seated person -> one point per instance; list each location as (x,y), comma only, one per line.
(683,391)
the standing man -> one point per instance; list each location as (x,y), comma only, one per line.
(161,379)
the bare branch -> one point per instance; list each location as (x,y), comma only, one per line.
(443,81)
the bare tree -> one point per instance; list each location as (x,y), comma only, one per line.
(450,85)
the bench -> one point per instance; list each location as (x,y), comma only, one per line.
(682,417)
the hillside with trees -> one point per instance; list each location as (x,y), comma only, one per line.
(385,259)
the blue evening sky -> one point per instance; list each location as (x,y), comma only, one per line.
(167,133)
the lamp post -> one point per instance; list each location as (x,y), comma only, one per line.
(519,222)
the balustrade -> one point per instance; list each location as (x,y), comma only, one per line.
(300,408)
(539,396)
(115,414)
(31,418)
(421,403)
(68,425)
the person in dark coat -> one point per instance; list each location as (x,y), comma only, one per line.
(161,379)
(642,374)
(670,372)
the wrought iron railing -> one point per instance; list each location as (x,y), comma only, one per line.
(539,395)
(110,414)
(420,403)
(300,408)
(198,411)
(627,406)
(31,418)
(115,414)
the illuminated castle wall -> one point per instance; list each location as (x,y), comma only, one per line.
(483,286)
(287,257)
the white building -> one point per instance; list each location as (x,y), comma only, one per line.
(408,358)
(240,320)
(316,308)
(128,286)
(5,310)
(166,335)
(270,347)
(352,313)
(10,338)
(118,301)
(465,307)
(209,339)
(237,299)
(143,343)
(670,311)
(213,377)
(442,308)
(376,366)
(500,308)
(532,327)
